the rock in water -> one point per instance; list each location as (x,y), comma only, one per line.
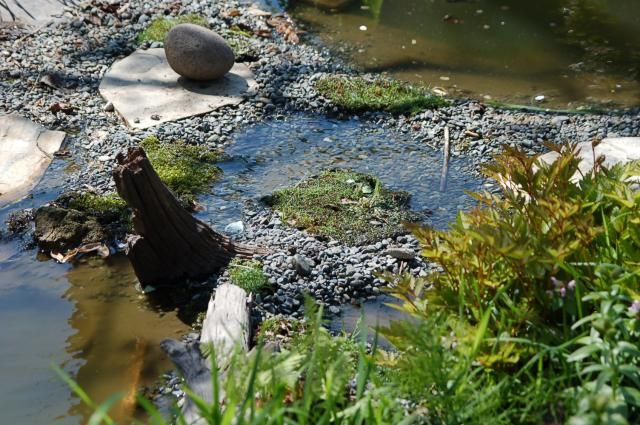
(197,53)
(60,229)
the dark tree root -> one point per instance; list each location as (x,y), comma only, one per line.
(170,244)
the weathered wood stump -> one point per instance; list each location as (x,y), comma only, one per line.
(170,244)
(226,328)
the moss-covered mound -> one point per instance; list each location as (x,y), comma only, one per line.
(360,94)
(187,170)
(351,207)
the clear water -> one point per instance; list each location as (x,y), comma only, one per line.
(89,318)
(573,52)
(277,154)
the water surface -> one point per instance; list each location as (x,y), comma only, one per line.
(573,52)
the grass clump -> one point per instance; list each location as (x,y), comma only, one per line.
(158,28)
(248,275)
(187,170)
(360,94)
(351,207)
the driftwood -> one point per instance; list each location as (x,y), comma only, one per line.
(170,244)
(225,329)
(227,326)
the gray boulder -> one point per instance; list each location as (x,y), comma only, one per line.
(197,53)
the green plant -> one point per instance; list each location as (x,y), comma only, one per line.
(158,28)
(360,94)
(608,360)
(532,249)
(187,170)
(248,275)
(351,207)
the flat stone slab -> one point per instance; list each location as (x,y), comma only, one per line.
(33,11)
(616,150)
(145,91)
(26,150)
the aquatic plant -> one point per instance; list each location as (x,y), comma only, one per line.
(348,206)
(361,94)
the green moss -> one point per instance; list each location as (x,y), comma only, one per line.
(360,94)
(248,275)
(158,29)
(351,207)
(187,170)
(98,205)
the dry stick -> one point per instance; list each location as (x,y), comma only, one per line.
(445,164)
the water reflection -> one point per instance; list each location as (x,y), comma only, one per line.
(573,52)
(116,333)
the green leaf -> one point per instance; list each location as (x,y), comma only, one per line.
(631,395)
(583,353)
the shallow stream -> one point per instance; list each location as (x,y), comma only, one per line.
(89,318)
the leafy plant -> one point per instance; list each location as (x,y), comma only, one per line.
(608,360)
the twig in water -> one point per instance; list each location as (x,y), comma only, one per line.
(445,164)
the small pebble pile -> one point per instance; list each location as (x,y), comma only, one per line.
(333,274)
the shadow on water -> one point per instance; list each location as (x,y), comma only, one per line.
(276,154)
(573,52)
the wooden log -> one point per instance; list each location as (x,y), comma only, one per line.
(226,328)
(170,244)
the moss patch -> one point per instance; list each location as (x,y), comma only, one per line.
(359,94)
(351,207)
(98,205)
(187,170)
(248,275)
(158,29)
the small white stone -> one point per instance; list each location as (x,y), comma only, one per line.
(363,27)
(539,98)
(234,228)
